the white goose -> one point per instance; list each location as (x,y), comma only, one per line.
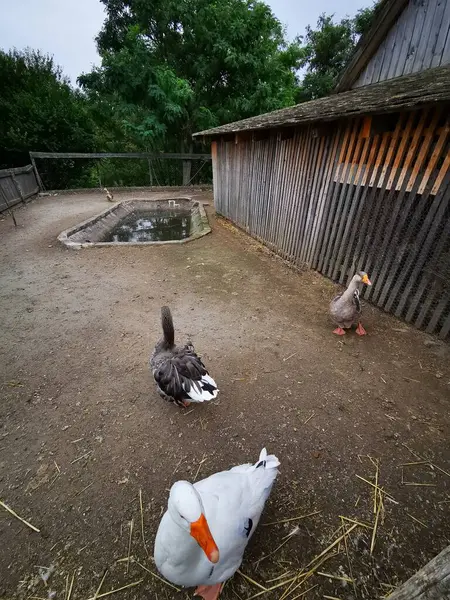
(203,534)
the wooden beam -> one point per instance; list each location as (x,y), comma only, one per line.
(432,582)
(188,156)
(15,171)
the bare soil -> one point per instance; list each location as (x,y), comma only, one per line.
(82,429)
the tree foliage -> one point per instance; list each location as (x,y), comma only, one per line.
(39,110)
(168,68)
(202,63)
(327,50)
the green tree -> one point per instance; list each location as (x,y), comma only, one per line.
(327,50)
(40,111)
(221,61)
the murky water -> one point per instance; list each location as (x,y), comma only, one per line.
(151,227)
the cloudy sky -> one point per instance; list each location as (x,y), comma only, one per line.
(66,28)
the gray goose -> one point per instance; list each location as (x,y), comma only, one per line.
(345,308)
(180,375)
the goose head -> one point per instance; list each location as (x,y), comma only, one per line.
(186,509)
(362,277)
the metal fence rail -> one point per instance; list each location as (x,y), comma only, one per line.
(366,194)
(17,185)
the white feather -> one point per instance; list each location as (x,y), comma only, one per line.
(197,394)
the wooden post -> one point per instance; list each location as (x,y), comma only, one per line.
(430,583)
(36,172)
(187,164)
(150,174)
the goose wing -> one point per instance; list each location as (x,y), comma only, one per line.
(183,376)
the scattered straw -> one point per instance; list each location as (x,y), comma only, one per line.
(156,577)
(100,585)
(285,541)
(305,592)
(286,574)
(360,523)
(14,514)
(142,521)
(338,577)
(316,512)
(381,489)
(69,593)
(309,418)
(375,525)
(178,464)
(348,561)
(129,543)
(290,356)
(331,597)
(417,520)
(81,457)
(124,587)
(357,501)
(57,468)
(252,581)
(333,544)
(432,464)
(199,466)
(416,483)
(273,587)
(84,489)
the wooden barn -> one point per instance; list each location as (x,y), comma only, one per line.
(359,180)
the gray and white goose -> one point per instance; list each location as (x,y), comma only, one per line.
(345,308)
(179,373)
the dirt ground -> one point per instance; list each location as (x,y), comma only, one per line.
(82,429)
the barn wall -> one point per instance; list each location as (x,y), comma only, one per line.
(367,194)
(418,40)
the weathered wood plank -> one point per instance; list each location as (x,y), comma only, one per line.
(432,582)
(180,156)
(424,48)
(15,171)
(441,37)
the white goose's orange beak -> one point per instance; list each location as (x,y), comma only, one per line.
(200,532)
(366,280)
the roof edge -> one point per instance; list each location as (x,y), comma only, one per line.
(386,13)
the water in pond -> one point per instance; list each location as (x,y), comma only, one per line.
(151,227)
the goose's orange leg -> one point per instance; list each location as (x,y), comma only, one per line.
(209,592)
(339,331)
(360,330)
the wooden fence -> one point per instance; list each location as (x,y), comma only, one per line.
(367,194)
(17,185)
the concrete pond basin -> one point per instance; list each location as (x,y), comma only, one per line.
(141,222)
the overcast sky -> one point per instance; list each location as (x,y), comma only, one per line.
(66,28)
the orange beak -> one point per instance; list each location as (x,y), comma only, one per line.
(200,532)
(366,280)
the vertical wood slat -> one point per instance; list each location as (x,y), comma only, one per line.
(397,217)
(297,196)
(342,170)
(400,279)
(330,162)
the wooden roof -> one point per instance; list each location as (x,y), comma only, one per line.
(412,91)
(387,12)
